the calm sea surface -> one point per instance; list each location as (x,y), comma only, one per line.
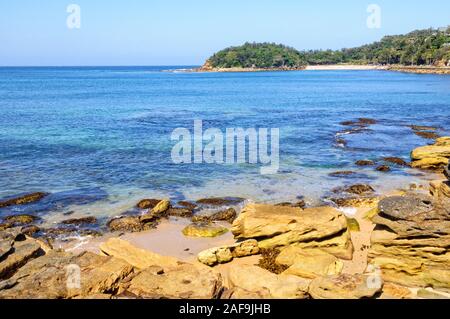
(99,137)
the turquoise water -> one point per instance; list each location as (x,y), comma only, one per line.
(104,133)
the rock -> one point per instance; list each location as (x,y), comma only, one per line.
(228,215)
(353,225)
(356,201)
(276,226)
(447,172)
(128,224)
(30,230)
(427,135)
(148,203)
(19,254)
(136,257)
(430,151)
(258,281)
(214,256)
(342,174)
(430,294)
(343,286)
(54,276)
(204,230)
(187,204)
(360,122)
(422,128)
(396,160)
(22,199)
(309,263)
(359,189)
(365,163)
(70,232)
(433,163)
(20,220)
(220,255)
(240,294)
(180,212)
(80,221)
(383,168)
(442,141)
(440,189)
(411,242)
(161,207)
(299,204)
(220,201)
(182,282)
(392,291)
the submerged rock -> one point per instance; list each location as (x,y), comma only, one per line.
(276,226)
(228,215)
(180,212)
(365,163)
(22,199)
(359,189)
(220,201)
(204,230)
(80,221)
(383,168)
(187,204)
(396,160)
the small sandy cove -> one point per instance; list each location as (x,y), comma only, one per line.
(348,67)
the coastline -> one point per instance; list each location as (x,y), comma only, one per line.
(331,67)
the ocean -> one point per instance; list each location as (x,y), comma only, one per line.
(99,138)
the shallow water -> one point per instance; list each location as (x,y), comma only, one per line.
(108,130)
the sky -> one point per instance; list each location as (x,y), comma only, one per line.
(186,32)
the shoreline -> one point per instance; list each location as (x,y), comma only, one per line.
(331,67)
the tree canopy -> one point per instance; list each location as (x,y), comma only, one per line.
(258,55)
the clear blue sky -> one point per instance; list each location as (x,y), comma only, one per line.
(186,32)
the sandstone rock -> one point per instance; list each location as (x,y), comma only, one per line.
(225,254)
(213,256)
(182,282)
(353,224)
(371,201)
(299,204)
(22,199)
(440,189)
(431,151)
(392,291)
(443,141)
(19,255)
(427,135)
(240,294)
(258,281)
(274,226)
(54,276)
(161,207)
(412,245)
(430,163)
(148,203)
(430,294)
(204,230)
(309,263)
(342,286)
(136,257)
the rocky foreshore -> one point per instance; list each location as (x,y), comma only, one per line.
(395,246)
